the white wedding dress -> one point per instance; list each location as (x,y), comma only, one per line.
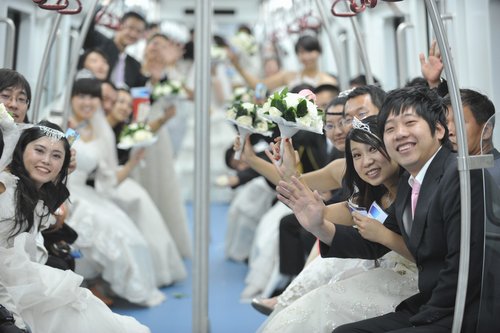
(251,202)
(110,242)
(159,178)
(355,292)
(140,208)
(47,299)
(264,255)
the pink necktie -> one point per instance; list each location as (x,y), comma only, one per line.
(415,189)
(118,76)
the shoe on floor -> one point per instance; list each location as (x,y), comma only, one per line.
(261,307)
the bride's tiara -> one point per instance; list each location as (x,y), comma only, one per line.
(358,124)
(51,132)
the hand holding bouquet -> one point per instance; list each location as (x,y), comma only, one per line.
(248,119)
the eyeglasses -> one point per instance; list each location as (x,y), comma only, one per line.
(7,97)
(341,123)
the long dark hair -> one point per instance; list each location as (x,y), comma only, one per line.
(27,195)
(366,193)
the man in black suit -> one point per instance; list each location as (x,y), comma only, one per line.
(124,69)
(413,127)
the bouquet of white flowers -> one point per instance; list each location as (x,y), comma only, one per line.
(169,89)
(218,54)
(293,112)
(5,116)
(243,95)
(249,120)
(136,135)
(245,43)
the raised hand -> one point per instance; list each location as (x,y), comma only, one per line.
(248,153)
(432,67)
(307,205)
(288,166)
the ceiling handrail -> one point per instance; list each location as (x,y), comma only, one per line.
(106,18)
(74,11)
(60,4)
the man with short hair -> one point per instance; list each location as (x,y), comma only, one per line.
(124,69)
(426,212)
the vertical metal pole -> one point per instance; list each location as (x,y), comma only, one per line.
(337,54)
(9,46)
(203,38)
(43,69)
(74,62)
(463,163)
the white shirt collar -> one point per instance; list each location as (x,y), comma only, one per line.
(421,174)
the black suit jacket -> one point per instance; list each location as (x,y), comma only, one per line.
(434,242)
(133,76)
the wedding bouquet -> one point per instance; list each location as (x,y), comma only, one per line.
(249,120)
(5,116)
(293,112)
(245,43)
(242,94)
(169,88)
(136,135)
(248,115)
(218,54)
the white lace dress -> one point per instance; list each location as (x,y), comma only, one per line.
(111,244)
(45,298)
(358,295)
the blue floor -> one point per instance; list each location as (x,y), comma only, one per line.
(226,313)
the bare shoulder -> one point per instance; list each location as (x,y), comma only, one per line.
(337,168)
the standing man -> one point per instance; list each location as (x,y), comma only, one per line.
(125,70)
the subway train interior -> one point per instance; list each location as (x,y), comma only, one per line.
(165,218)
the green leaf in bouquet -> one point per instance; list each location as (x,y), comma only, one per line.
(289,114)
(284,92)
(302,108)
(279,104)
(240,110)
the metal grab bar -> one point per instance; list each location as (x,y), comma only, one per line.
(74,62)
(203,40)
(43,69)
(9,47)
(337,54)
(402,64)
(61,4)
(463,163)
(74,11)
